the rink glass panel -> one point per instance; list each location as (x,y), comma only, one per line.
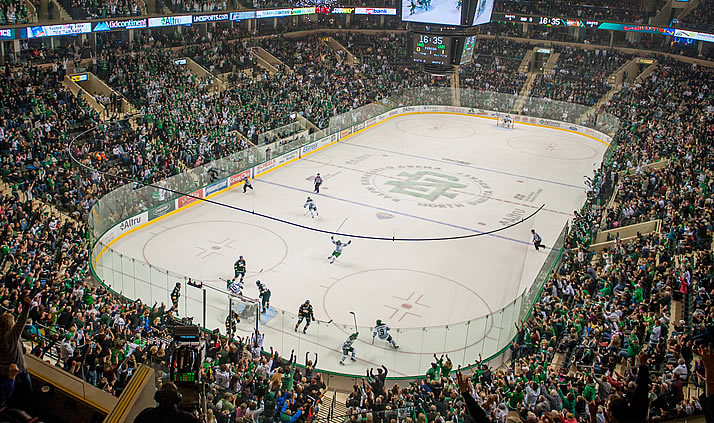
(487,336)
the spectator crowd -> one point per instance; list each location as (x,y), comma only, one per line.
(605,340)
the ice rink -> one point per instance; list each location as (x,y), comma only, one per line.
(413,176)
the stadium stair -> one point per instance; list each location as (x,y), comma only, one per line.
(76,90)
(550,64)
(664,15)
(333,408)
(645,73)
(686,10)
(63,15)
(523,95)
(269,62)
(525,65)
(349,58)
(31,11)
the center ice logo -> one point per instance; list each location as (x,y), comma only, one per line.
(426,184)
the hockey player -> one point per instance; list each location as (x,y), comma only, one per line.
(318,182)
(246,184)
(175,295)
(305,313)
(310,205)
(239,268)
(338,249)
(264,294)
(348,348)
(383,331)
(232,321)
(235,286)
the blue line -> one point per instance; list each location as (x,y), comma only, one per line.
(396,212)
(463,165)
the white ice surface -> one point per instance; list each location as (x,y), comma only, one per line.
(495,173)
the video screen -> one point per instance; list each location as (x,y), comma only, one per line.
(484,9)
(444,12)
(467,53)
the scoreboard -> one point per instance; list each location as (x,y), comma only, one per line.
(431,49)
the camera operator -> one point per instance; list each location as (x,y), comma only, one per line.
(168,398)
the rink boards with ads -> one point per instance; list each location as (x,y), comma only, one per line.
(488,339)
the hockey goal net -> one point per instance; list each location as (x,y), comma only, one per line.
(504,120)
(245,308)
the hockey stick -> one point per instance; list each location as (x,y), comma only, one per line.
(354,315)
(322,321)
(337,230)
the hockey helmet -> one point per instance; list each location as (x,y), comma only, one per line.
(307,301)
(309,199)
(339,242)
(354,335)
(240,257)
(379,322)
(178,283)
(258,282)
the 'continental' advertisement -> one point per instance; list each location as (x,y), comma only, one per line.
(161,210)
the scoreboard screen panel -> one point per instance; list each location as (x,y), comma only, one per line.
(431,49)
(468,52)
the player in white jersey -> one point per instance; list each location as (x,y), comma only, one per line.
(235,286)
(348,348)
(311,207)
(383,331)
(338,249)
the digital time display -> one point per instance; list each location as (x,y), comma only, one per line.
(548,20)
(432,49)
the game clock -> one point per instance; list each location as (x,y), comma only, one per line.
(431,49)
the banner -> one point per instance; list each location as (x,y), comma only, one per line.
(260,14)
(287,157)
(56,30)
(215,187)
(307,149)
(546,122)
(235,179)
(132,222)
(345,132)
(79,77)
(185,200)
(701,36)
(210,18)
(239,16)
(302,11)
(117,24)
(646,29)
(7,34)
(265,166)
(375,11)
(161,210)
(170,21)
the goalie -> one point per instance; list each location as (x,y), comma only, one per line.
(505,121)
